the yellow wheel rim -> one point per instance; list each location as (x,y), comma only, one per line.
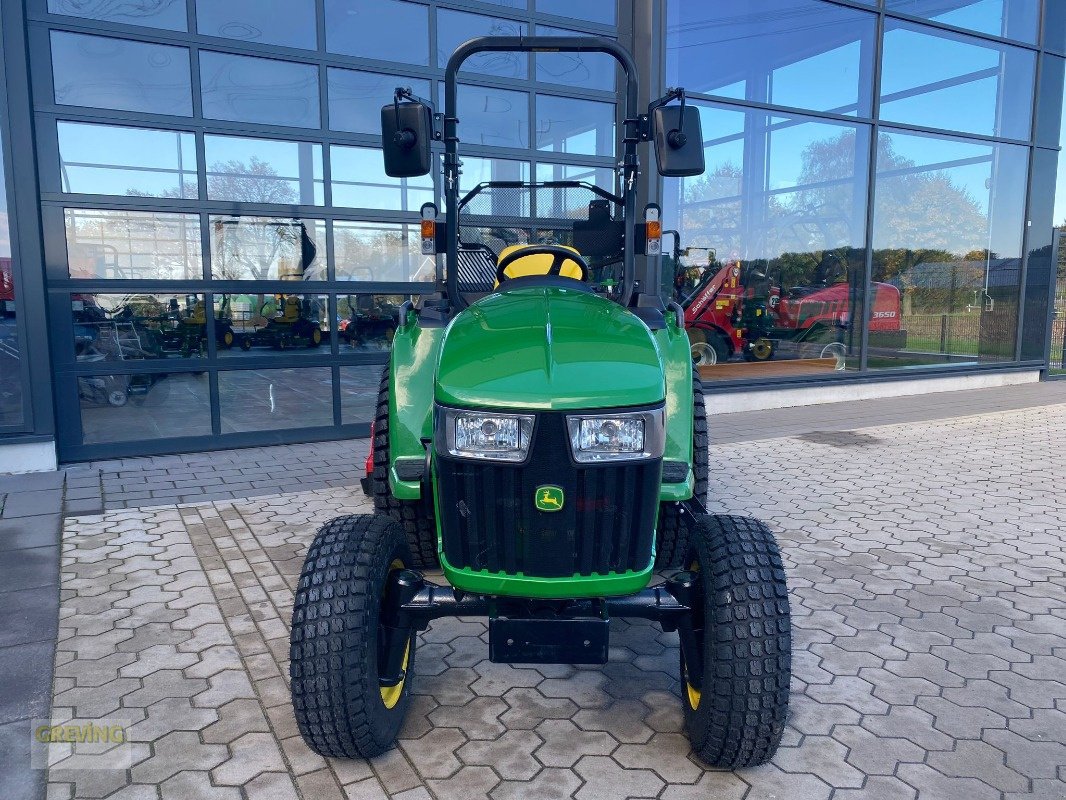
(390,695)
(690,690)
(693,695)
(762,349)
(227,337)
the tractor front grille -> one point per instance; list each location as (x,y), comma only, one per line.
(489,520)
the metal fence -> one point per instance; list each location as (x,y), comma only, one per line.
(957,334)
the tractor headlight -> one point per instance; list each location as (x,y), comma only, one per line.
(480,434)
(617,437)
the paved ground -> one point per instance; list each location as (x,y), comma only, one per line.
(927,577)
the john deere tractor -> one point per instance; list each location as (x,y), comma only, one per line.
(541,440)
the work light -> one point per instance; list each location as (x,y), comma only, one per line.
(624,436)
(491,436)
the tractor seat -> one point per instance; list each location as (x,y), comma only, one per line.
(538,264)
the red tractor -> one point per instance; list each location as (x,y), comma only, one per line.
(737,308)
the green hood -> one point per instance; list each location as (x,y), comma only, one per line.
(549,349)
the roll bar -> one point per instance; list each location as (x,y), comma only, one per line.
(539,44)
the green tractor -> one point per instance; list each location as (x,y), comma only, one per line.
(541,440)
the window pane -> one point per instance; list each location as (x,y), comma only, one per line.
(455,27)
(495,117)
(567,125)
(799,53)
(1058,253)
(248,89)
(960,83)
(948,222)
(168,14)
(590,10)
(127,408)
(285,22)
(135,327)
(359,181)
(367,321)
(257,324)
(10,354)
(143,162)
(275,399)
(101,72)
(267,249)
(384,29)
(264,170)
(604,177)
(1011,19)
(776,235)
(374,251)
(586,70)
(356,97)
(481,170)
(359,393)
(132,245)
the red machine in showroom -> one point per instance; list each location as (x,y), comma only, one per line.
(737,308)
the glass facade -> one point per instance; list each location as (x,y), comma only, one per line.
(12,370)
(224,256)
(864,209)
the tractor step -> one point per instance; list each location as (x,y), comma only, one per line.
(548,641)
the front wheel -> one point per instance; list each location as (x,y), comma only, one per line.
(343,707)
(735,705)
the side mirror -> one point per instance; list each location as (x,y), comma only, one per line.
(678,140)
(406,133)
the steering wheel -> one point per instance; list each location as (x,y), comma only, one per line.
(560,255)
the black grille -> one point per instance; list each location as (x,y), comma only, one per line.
(489,520)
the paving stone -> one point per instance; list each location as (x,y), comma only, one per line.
(511,755)
(251,754)
(469,783)
(931,783)
(235,718)
(603,778)
(271,786)
(549,784)
(665,754)
(929,633)
(565,743)
(176,752)
(189,784)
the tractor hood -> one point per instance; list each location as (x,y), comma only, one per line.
(548,349)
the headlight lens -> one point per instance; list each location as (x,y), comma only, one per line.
(616,437)
(477,434)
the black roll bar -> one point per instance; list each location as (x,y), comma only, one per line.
(631,136)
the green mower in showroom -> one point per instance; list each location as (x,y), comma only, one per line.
(541,439)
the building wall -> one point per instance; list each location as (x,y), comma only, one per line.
(868,178)
(198,166)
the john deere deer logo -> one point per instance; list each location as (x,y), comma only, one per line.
(549,498)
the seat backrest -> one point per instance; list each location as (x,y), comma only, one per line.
(538,264)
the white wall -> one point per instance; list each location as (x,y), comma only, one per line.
(28,457)
(762,399)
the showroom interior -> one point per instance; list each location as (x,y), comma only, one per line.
(200,248)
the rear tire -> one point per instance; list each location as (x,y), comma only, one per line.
(736,716)
(416,516)
(341,708)
(671,538)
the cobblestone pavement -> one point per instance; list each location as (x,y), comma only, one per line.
(928,588)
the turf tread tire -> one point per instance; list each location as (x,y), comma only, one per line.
(747,643)
(333,643)
(416,516)
(671,538)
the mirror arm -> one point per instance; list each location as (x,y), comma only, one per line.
(676,138)
(405,138)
